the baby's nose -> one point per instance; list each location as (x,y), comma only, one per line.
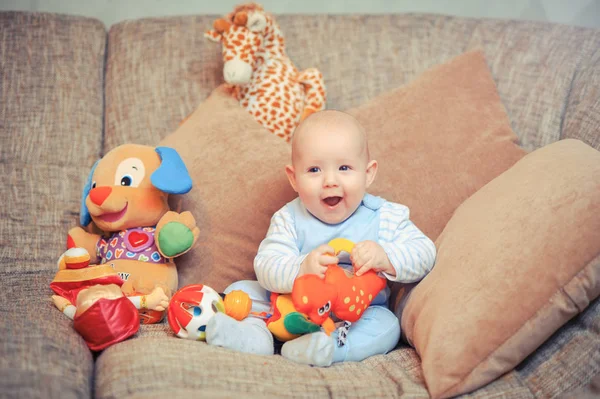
(330,180)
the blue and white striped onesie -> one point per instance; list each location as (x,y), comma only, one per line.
(294,232)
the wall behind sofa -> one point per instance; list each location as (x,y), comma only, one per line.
(573,12)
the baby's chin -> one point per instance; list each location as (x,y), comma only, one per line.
(332,218)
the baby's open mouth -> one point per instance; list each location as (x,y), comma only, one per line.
(332,201)
(113,217)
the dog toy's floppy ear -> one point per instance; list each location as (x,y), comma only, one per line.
(172,176)
(84,214)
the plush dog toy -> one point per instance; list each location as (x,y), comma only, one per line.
(125,196)
(266,82)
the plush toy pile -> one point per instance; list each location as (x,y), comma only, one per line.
(108,283)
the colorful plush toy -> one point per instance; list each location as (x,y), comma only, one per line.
(343,294)
(91,296)
(267,83)
(125,197)
(305,310)
(190,310)
(194,305)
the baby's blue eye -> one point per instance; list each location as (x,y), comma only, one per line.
(344,167)
(314,169)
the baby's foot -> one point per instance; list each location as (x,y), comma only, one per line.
(249,335)
(315,349)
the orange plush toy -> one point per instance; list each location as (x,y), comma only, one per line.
(345,295)
(266,82)
(125,197)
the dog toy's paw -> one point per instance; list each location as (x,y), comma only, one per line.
(177,233)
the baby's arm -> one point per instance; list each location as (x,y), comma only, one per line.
(411,253)
(278,260)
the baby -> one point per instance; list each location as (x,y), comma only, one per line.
(331,171)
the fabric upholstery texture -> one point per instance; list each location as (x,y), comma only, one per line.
(70,92)
(51,70)
(516,261)
(51,104)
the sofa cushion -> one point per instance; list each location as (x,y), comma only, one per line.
(41,354)
(51,69)
(581,118)
(51,109)
(156,363)
(174,366)
(516,261)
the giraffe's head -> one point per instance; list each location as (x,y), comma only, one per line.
(242,34)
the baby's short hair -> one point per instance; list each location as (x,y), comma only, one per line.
(329,116)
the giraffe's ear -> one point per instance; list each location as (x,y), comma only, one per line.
(213,36)
(257,21)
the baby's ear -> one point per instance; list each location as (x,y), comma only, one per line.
(289,170)
(371,172)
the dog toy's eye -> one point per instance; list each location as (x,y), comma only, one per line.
(130,173)
(93,184)
(126,180)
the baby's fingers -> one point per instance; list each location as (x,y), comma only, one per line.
(363,270)
(326,260)
(326,249)
(320,272)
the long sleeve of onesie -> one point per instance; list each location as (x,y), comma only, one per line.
(410,251)
(278,260)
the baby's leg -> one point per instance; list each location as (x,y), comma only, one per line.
(249,335)
(377,332)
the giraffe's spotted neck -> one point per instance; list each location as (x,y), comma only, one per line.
(273,45)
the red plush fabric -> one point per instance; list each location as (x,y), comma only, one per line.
(107,322)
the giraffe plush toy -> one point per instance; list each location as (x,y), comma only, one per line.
(265,80)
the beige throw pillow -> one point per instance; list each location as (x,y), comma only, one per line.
(237,168)
(439,139)
(516,261)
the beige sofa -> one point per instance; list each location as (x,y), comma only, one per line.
(70,91)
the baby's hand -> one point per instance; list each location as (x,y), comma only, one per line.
(317,261)
(368,255)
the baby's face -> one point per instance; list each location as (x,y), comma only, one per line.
(331,171)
